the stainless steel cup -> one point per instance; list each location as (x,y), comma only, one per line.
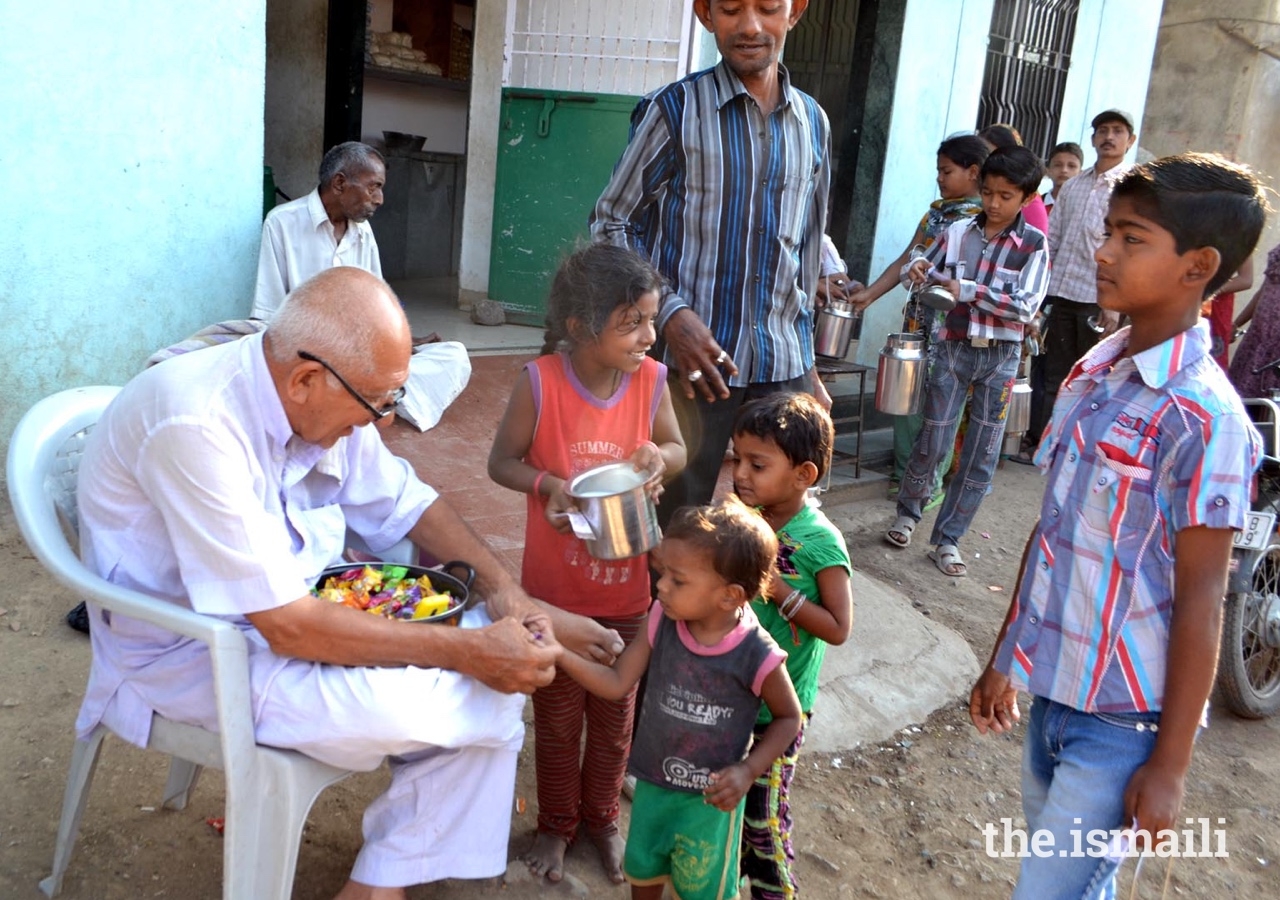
(618,510)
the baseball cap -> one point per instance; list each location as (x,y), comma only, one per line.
(1114,115)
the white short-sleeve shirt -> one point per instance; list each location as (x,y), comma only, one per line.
(194,489)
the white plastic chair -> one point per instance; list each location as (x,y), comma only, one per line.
(268,791)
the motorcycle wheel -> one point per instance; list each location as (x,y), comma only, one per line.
(1249,661)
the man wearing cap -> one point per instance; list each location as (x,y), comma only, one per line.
(1075,234)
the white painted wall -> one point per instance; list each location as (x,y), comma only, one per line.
(938,86)
(439,114)
(294,115)
(937,90)
(134,140)
(482,144)
(1110,65)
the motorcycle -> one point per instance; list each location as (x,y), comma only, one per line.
(1249,658)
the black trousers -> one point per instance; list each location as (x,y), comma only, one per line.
(1067,337)
(707,428)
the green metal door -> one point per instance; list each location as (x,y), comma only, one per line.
(556,151)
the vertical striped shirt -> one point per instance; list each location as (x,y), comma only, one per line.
(1075,232)
(1139,449)
(730,205)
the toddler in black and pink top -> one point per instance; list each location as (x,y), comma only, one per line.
(710,664)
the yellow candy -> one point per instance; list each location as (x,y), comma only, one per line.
(431,606)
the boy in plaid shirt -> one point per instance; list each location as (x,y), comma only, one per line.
(996,266)
(1115,626)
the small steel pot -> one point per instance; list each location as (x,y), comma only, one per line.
(838,326)
(618,511)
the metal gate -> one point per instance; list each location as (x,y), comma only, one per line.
(609,46)
(1028,55)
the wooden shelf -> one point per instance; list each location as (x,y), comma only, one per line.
(420,78)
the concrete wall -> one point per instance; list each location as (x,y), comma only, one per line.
(134,149)
(437,113)
(482,148)
(936,90)
(1215,85)
(1110,65)
(295,76)
(922,115)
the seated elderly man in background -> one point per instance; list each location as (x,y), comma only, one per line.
(329,227)
(225,481)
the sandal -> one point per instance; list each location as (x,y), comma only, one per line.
(899,534)
(947,558)
(1022,457)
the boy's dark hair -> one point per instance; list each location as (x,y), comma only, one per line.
(1001,136)
(740,543)
(1068,147)
(590,284)
(797,423)
(1203,200)
(965,150)
(1019,166)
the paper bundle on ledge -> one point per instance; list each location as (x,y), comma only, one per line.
(394,50)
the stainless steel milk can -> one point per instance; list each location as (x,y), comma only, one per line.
(900,373)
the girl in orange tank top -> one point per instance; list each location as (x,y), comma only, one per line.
(593,397)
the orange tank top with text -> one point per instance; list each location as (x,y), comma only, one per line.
(576,431)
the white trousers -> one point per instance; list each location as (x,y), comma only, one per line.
(451,743)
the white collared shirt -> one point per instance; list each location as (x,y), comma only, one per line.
(298,242)
(194,489)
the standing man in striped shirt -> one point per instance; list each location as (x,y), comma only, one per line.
(724,187)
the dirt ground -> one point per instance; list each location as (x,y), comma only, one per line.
(899,819)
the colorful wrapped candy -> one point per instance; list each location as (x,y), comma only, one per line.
(387,591)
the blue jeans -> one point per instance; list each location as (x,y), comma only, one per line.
(1075,768)
(954,367)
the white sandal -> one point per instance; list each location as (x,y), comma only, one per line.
(946,557)
(901,528)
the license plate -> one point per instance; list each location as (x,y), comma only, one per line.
(1256,533)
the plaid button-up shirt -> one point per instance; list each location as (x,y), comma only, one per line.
(1139,448)
(1075,232)
(1002,280)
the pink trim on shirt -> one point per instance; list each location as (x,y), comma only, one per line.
(726,644)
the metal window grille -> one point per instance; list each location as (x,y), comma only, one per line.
(1028,55)
(610,46)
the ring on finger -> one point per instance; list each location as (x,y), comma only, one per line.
(695,375)
(722,357)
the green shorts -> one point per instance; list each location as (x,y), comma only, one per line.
(676,837)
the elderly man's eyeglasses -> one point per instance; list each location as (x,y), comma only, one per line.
(378,413)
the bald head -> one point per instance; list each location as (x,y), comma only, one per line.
(347,316)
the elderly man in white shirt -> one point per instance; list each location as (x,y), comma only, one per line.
(224,481)
(329,227)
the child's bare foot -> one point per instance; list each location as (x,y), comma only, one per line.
(546,856)
(611,848)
